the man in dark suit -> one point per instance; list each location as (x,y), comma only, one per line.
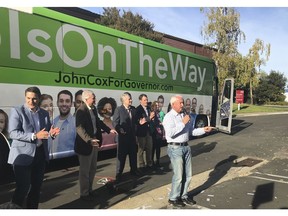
(29,129)
(124,123)
(87,143)
(143,133)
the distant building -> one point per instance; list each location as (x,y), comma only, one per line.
(286,94)
(189,46)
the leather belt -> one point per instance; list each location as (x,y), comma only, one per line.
(179,144)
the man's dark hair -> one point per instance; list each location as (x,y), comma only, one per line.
(142,95)
(35,90)
(79,92)
(160,97)
(65,92)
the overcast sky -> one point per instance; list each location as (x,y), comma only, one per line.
(269,24)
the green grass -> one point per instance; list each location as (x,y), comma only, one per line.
(248,108)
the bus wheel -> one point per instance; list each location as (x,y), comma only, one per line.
(201,121)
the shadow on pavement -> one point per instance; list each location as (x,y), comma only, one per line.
(104,194)
(239,125)
(219,171)
(264,193)
(202,147)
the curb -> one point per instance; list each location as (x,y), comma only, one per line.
(260,114)
(158,198)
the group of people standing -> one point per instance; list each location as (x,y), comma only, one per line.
(140,130)
(136,127)
(31,129)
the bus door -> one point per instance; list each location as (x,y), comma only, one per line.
(224,112)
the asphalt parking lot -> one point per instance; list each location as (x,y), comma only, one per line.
(245,170)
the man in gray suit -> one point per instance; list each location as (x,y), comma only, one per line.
(29,129)
(124,122)
(88,141)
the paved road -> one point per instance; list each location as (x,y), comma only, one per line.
(251,175)
(244,170)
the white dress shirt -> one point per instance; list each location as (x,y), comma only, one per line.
(176,130)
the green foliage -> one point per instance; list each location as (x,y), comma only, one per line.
(223,30)
(255,59)
(130,23)
(271,88)
(223,33)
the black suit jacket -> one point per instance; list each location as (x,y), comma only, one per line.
(142,129)
(85,132)
(123,123)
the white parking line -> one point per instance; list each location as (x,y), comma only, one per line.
(277,178)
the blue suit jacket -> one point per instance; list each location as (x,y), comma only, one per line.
(21,127)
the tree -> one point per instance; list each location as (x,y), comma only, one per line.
(223,33)
(254,60)
(130,23)
(271,88)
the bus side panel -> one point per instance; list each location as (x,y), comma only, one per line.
(57,55)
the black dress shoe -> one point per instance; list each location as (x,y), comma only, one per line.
(149,168)
(118,179)
(93,194)
(135,173)
(87,198)
(189,201)
(157,164)
(143,170)
(176,203)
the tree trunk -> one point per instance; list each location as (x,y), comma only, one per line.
(251,93)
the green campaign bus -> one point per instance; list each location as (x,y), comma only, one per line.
(55,52)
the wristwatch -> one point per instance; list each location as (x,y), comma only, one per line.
(34,136)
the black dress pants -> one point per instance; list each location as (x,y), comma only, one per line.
(29,181)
